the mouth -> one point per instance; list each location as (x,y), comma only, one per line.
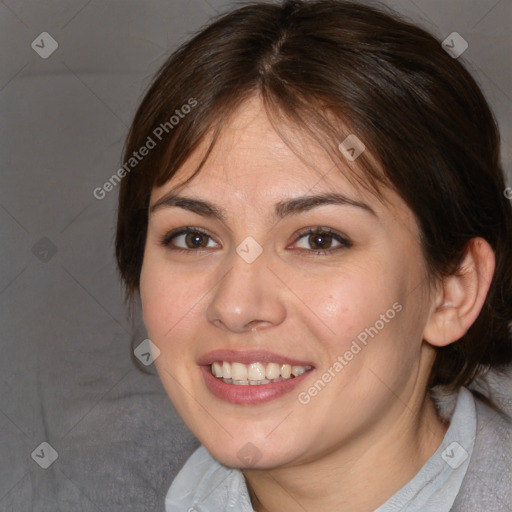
(255,374)
(251,377)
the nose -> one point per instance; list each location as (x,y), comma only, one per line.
(248,297)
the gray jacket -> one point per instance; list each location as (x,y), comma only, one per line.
(487,486)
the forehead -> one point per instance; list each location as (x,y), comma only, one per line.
(251,171)
(251,160)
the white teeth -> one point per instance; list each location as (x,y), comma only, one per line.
(286,371)
(217,369)
(256,382)
(298,370)
(272,371)
(238,371)
(255,373)
(226,370)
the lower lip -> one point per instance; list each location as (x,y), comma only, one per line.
(250,394)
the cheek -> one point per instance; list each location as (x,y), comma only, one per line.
(164,296)
(173,304)
(366,319)
(349,303)
(169,307)
(150,289)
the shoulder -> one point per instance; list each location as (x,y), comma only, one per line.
(204,484)
(197,466)
(197,469)
(487,484)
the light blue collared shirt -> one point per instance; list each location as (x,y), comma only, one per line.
(205,485)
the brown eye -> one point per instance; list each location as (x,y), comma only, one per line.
(195,239)
(187,239)
(322,240)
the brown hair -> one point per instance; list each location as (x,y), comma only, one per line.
(319,64)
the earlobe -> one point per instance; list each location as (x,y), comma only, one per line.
(461,296)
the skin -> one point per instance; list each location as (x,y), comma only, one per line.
(374,422)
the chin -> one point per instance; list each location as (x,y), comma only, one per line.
(248,458)
(244,453)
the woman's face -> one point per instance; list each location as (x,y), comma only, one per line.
(250,283)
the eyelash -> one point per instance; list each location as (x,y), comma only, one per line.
(344,242)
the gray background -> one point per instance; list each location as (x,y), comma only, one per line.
(65,371)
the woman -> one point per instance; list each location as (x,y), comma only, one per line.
(321,243)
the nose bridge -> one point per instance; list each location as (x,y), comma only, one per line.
(243,297)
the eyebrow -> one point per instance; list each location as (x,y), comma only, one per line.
(282,209)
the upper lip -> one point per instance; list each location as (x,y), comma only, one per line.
(248,357)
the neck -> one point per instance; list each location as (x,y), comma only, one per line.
(387,458)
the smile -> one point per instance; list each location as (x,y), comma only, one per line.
(257,373)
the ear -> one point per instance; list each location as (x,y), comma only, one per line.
(459,299)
